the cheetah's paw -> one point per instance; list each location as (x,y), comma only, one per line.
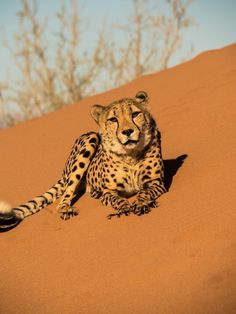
(66,212)
(119,213)
(141,208)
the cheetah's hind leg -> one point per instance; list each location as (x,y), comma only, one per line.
(75,173)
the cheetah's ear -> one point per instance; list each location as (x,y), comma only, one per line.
(96,111)
(142,98)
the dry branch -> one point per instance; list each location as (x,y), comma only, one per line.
(60,72)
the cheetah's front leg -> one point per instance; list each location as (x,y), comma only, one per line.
(146,198)
(120,204)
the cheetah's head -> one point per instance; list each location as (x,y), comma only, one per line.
(125,126)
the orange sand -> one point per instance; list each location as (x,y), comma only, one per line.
(181,258)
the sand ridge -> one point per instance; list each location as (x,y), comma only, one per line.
(181,257)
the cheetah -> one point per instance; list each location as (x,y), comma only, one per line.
(122,160)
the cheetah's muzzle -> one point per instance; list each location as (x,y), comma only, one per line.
(130,142)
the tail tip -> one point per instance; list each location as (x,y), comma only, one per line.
(5,207)
(8,218)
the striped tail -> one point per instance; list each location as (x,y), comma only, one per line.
(11,217)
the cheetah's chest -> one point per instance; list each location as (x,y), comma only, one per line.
(106,172)
(111,172)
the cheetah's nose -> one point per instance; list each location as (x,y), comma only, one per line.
(128,132)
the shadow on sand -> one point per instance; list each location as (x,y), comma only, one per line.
(171,167)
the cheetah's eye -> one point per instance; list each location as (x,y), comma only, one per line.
(113,119)
(135,114)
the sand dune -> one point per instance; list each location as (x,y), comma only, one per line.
(180,258)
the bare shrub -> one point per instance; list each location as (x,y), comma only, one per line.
(60,72)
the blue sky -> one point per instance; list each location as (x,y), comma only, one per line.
(215,28)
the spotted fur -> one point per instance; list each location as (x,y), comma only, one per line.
(122,160)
